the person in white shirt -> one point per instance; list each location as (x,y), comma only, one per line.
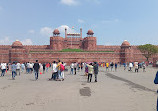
(28,68)
(41,68)
(18,65)
(130,66)
(3,68)
(72,67)
(144,66)
(54,71)
(136,66)
(31,67)
(22,67)
(75,67)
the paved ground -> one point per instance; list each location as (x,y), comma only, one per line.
(114,91)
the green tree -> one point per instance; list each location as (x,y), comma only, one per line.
(148,50)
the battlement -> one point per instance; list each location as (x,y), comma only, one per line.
(57,38)
(73,39)
(5,46)
(89,38)
(35,46)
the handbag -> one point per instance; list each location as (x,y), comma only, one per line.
(156,78)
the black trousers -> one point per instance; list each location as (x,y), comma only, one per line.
(75,70)
(89,77)
(95,77)
(54,75)
(136,70)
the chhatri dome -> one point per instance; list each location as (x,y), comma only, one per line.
(17,44)
(125,43)
(56,32)
(90,32)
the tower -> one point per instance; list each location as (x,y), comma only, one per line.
(56,42)
(89,42)
(126,52)
(17,52)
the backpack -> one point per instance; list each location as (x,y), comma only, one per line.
(62,68)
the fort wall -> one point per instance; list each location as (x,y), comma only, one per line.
(74,56)
(93,52)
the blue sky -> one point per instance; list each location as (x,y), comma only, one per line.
(113,21)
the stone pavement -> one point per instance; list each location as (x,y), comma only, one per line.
(114,91)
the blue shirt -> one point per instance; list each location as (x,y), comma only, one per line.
(13,67)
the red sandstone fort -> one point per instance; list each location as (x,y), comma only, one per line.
(91,51)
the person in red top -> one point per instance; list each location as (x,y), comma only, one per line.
(47,66)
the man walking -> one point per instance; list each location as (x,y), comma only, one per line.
(72,68)
(75,67)
(90,72)
(18,68)
(13,67)
(130,66)
(36,69)
(3,68)
(115,66)
(95,67)
(107,66)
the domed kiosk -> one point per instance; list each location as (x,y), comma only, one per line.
(17,44)
(56,32)
(125,43)
(90,33)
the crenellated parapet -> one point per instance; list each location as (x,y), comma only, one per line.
(35,46)
(115,48)
(5,46)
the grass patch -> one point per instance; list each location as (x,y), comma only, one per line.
(71,50)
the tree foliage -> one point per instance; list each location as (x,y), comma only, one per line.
(148,50)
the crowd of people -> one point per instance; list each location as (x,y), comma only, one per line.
(90,69)
(59,67)
(127,66)
(16,68)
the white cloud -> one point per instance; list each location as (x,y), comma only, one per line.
(8,41)
(62,29)
(69,2)
(5,41)
(46,31)
(80,21)
(31,31)
(27,42)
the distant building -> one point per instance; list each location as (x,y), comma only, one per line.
(92,52)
